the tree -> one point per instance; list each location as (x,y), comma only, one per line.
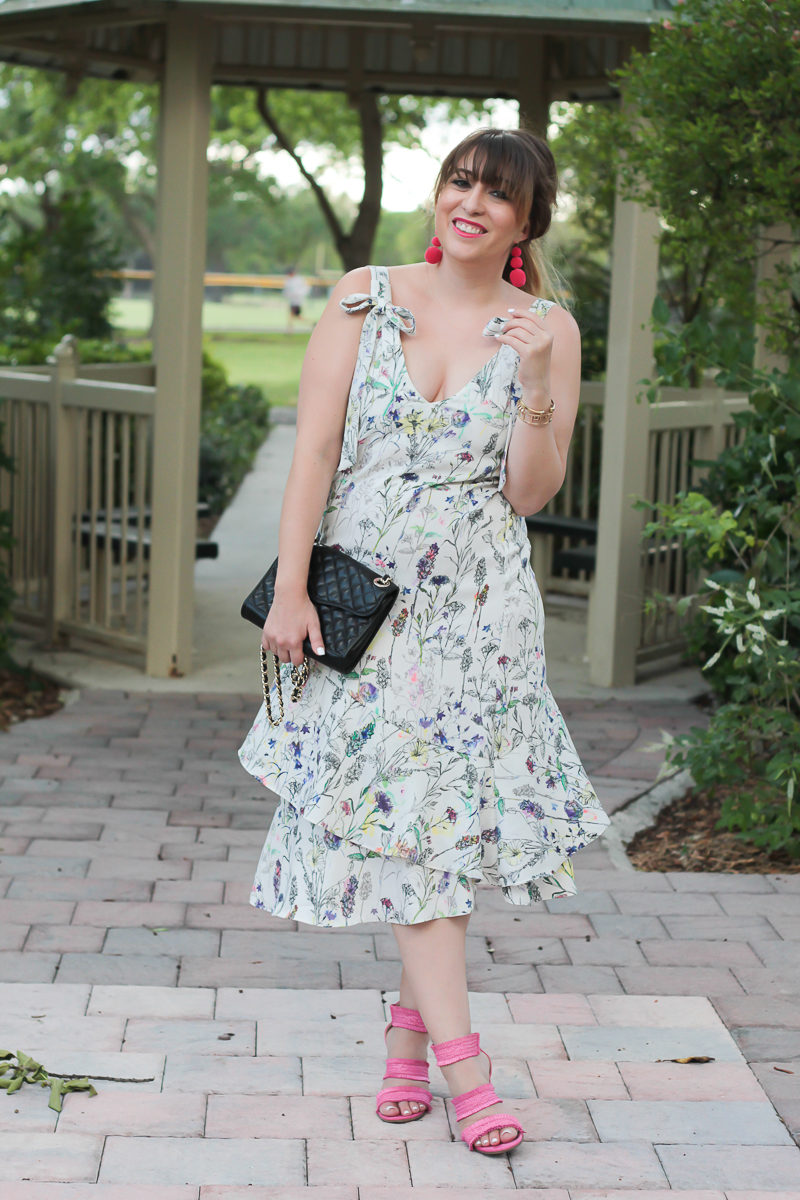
(710,136)
(50,276)
(345,128)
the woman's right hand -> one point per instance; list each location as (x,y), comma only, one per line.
(288,623)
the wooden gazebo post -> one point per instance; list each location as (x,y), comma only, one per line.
(615,610)
(178,337)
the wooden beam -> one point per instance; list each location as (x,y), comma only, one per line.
(79,56)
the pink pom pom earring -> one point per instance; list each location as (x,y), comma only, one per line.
(516,275)
(433,254)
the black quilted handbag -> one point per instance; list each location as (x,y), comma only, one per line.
(351,599)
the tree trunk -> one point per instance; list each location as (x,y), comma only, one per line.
(354,248)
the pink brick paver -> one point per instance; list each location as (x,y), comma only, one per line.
(237,1056)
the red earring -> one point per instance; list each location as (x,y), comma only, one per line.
(516,275)
(433,254)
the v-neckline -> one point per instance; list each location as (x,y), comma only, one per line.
(406,372)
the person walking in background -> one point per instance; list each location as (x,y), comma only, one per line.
(442,760)
(295,290)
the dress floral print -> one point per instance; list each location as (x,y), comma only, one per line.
(442,760)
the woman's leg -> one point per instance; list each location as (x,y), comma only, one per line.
(404,1043)
(435,970)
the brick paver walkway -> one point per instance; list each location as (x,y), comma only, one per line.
(236,1055)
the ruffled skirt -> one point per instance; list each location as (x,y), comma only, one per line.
(381,821)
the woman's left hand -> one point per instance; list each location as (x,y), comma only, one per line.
(527,334)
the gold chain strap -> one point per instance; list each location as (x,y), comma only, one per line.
(299,677)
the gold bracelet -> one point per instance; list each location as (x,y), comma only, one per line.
(536,416)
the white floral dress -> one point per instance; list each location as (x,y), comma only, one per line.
(442,760)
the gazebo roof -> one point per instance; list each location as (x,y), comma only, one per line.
(429,47)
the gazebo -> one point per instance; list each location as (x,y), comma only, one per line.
(534,51)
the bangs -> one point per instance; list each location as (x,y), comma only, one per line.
(496,158)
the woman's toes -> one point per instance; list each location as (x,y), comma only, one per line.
(508,1134)
(390,1109)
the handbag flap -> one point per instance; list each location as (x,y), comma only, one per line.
(336,580)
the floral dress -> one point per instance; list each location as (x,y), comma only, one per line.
(442,760)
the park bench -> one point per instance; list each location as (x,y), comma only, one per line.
(568,558)
(111,534)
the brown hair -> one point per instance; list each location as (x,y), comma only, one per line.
(523,165)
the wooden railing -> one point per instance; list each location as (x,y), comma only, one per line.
(78,496)
(686,427)
(577,497)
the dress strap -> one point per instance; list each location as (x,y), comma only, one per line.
(541,307)
(379,302)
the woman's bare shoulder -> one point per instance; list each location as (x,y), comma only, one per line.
(357,280)
(415,270)
(560,318)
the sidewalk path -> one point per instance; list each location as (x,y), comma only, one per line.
(236,1055)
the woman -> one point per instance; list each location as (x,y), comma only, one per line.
(442,760)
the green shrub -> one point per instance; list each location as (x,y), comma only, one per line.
(231,433)
(742,525)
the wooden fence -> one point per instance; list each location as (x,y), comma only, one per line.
(79,497)
(685,426)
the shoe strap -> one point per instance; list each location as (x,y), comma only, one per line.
(486,1124)
(406,1068)
(469,1103)
(406,1018)
(393,1094)
(457,1050)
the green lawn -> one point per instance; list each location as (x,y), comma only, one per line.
(247,335)
(272,360)
(239,312)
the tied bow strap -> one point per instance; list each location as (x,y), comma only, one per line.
(395,314)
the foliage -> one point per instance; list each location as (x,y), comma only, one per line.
(61,133)
(751,753)
(28,1070)
(743,524)
(49,276)
(327,121)
(710,137)
(231,433)
(234,423)
(714,141)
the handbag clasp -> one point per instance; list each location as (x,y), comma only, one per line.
(382,581)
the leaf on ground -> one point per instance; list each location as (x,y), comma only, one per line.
(691,1058)
(28,1070)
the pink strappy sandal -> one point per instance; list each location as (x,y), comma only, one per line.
(405,1068)
(469,1103)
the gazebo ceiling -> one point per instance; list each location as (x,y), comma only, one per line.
(428,47)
